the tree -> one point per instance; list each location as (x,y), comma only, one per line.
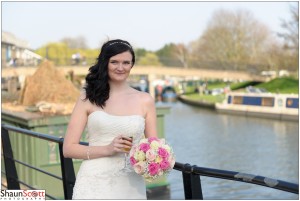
(57,52)
(291,38)
(61,54)
(173,55)
(139,53)
(73,43)
(181,53)
(291,35)
(274,57)
(166,56)
(150,59)
(232,40)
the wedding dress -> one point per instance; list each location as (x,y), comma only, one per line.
(101,178)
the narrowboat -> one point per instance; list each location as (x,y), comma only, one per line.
(268,105)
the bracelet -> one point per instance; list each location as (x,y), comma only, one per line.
(88,153)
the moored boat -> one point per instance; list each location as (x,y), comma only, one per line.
(276,106)
(169,94)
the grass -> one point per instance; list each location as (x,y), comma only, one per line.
(240,85)
(214,85)
(233,86)
(279,85)
(206,98)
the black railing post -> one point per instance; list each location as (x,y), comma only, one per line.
(191,184)
(9,163)
(68,173)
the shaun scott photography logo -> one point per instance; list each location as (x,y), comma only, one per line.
(22,195)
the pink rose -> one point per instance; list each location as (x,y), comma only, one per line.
(150,139)
(150,155)
(163,152)
(132,160)
(144,147)
(164,165)
(153,168)
(139,167)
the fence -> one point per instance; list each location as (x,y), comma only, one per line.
(190,173)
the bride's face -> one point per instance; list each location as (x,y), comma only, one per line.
(119,66)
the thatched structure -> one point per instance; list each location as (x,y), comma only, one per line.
(48,84)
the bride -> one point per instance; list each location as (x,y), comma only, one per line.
(112,111)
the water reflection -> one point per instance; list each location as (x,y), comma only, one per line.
(244,144)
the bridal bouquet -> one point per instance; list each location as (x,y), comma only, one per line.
(152,158)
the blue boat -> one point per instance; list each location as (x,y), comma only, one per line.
(275,106)
(169,94)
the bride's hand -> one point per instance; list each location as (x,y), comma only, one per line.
(118,145)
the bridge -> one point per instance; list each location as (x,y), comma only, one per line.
(150,71)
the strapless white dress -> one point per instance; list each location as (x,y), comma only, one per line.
(101,178)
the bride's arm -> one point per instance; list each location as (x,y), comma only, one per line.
(77,123)
(150,117)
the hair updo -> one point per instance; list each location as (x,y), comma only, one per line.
(97,86)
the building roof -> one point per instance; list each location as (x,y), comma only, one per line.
(32,54)
(12,39)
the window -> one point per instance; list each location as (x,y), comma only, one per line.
(237,100)
(266,101)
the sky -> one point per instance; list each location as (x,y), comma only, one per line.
(148,25)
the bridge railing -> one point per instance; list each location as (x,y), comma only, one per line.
(190,173)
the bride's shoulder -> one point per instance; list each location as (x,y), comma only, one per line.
(145,97)
(83,100)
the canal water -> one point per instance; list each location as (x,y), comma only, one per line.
(250,145)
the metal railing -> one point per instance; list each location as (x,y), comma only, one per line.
(192,184)
(190,174)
